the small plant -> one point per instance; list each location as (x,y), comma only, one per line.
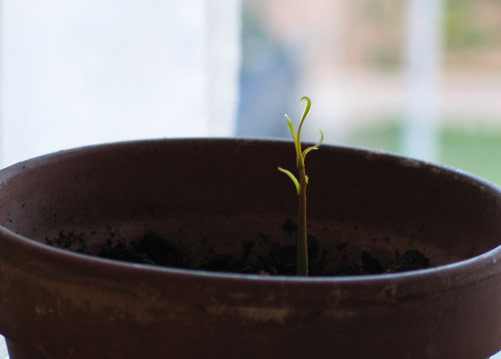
(301,183)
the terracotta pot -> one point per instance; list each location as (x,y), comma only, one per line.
(215,195)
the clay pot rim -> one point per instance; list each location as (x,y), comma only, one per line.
(474,269)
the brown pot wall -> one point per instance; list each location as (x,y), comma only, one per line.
(60,304)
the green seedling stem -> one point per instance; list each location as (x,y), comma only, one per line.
(301,182)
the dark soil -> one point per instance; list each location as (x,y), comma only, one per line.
(279,260)
(410,260)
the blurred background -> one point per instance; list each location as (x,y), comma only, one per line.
(422,78)
(418,77)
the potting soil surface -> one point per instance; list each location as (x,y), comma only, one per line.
(154,249)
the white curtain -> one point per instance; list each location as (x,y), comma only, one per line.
(90,71)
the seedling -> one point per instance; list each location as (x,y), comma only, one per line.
(301,183)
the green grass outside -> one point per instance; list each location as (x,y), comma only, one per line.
(475,151)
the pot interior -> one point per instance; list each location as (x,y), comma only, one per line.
(226,197)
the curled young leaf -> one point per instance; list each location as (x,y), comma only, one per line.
(291,129)
(293,178)
(309,149)
(303,116)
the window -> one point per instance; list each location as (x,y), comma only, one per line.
(415,77)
